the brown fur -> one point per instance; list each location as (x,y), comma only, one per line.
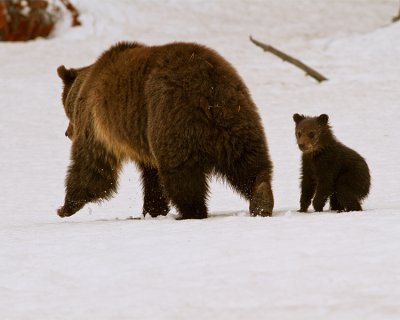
(180,111)
(329,168)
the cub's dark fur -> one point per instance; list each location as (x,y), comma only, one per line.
(180,111)
(329,168)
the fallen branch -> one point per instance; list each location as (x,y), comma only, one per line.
(74,12)
(311,72)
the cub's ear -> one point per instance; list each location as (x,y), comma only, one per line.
(297,118)
(67,75)
(323,119)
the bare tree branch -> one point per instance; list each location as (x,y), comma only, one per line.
(309,71)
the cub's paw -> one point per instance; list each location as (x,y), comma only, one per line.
(318,207)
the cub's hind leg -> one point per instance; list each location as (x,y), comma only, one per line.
(349,201)
(334,203)
(347,197)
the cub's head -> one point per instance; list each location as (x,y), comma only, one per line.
(72,80)
(310,131)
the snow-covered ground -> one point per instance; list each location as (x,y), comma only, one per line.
(102,264)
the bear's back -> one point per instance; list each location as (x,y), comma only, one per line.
(136,92)
(188,70)
(199,73)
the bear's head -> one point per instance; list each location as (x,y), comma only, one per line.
(72,80)
(310,131)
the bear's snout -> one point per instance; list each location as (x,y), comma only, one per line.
(69,131)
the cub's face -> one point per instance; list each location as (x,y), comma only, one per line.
(308,131)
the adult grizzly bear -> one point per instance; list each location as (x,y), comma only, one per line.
(329,168)
(180,111)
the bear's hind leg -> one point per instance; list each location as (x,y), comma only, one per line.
(255,187)
(154,202)
(186,187)
(262,200)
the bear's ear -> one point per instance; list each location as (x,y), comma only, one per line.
(323,119)
(67,75)
(297,118)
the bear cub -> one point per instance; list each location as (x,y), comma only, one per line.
(179,111)
(329,168)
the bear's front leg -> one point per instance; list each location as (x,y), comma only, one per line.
(92,176)
(154,201)
(70,207)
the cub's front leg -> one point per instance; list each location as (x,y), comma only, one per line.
(307,186)
(307,192)
(324,190)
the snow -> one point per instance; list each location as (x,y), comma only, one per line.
(102,263)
